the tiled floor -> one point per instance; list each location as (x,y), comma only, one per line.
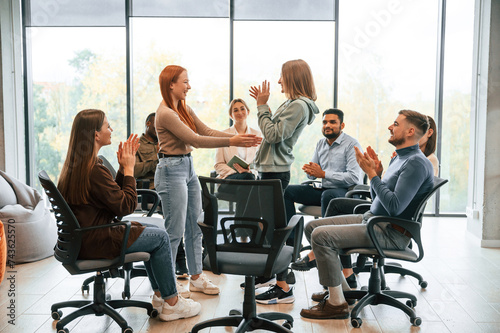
(463,294)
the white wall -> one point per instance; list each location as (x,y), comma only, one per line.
(483,204)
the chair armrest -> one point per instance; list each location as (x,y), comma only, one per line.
(126,234)
(309,182)
(281,235)
(361,208)
(412,227)
(360,192)
(209,237)
(153,194)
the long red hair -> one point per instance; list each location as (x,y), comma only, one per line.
(169,75)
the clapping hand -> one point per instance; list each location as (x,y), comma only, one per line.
(313,170)
(261,93)
(126,154)
(369,162)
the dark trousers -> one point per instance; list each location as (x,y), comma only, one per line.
(343,206)
(307,195)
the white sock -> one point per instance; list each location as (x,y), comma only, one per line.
(344,284)
(336,295)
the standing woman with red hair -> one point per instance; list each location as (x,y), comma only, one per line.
(179,130)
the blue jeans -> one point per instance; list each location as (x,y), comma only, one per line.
(155,241)
(177,184)
(307,195)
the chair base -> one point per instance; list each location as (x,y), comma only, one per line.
(98,306)
(375,296)
(126,273)
(392,267)
(249,320)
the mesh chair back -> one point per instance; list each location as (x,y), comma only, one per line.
(68,241)
(259,209)
(419,212)
(108,165)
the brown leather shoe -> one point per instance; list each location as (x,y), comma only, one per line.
(324,310)
(319,296)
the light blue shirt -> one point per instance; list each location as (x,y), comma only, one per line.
(338,161)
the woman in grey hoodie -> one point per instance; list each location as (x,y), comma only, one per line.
(280,132)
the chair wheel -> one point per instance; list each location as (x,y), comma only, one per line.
(356,322)
(411,303)
(416,321)
(63,330)
(287,324)
(125,295)
(85,289)
(423,284)
(56,315)
(128,330)
(235,312)
(153,313)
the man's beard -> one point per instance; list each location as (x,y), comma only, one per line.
(332,135)
(396,142)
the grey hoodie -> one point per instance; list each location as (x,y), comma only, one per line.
(281,131)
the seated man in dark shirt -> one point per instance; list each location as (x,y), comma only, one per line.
(408,179)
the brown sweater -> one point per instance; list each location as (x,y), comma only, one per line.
(176,138)
(108,199)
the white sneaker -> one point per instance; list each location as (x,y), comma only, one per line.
(157,303)
(183,291)
(184,308)
(204,285)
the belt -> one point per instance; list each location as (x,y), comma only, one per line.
(401,230)
(161,155)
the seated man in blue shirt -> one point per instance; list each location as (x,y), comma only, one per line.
(409,177)
(334,162)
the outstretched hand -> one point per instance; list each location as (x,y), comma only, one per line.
(261,93)
(245,140)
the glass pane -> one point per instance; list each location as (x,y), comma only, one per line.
(292,10)
(387,62)
(76,13)
(275,48)
(456,105)
(187,8)
(203,49)
(75,69)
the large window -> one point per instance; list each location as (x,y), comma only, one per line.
(74,69)
(386,53)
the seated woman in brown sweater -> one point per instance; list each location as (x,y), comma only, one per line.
(96,199)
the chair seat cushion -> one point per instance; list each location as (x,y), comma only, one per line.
(310,210)
(250,263)
(104,264)
(406,254)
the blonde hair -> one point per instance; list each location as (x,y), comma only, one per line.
(297,79)
(237,100)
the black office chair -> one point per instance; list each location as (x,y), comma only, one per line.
(391,267)
(375,294)
(66,251)
(263,214)
(129,271)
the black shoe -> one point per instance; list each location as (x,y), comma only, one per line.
(261,282)
(181,270)
(351,281)
(303,264)
(275,295)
